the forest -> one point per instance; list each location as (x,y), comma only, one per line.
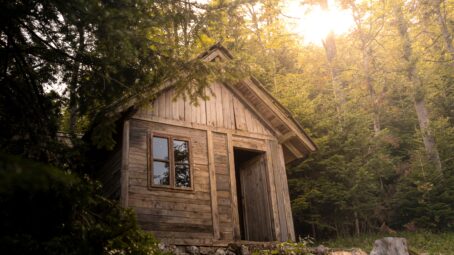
(378,100)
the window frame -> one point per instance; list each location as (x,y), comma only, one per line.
(172,164)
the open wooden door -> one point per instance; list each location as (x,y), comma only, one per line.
(253,197)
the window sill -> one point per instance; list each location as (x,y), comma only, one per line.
(168,188)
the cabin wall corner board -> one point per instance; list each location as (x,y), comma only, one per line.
(212,173)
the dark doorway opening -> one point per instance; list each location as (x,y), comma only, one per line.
(253,195)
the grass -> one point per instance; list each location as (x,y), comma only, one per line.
(421,242)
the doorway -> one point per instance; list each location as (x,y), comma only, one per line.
(253,195)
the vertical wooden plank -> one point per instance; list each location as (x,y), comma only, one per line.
(124,177)
(255,194)
(273,197)
(258,124)
(279,191)
(180,106)
(203,112)
(174,105)
(248,120)
(227,108)
(168,99)
(211,111)
(288,207)
(155,107)
(219,111)
(233,192)
(148,110)
(162,105)
(187,110)
(195,113)
(213,191)
(238,108)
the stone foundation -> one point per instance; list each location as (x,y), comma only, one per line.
(255,248)
(241,248)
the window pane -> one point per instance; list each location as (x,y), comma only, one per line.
(181,151)
(161,173)
(160,148)
(182,175)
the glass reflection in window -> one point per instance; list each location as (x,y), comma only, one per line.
(160,148)
(161,173)
(182,175)
(181,151)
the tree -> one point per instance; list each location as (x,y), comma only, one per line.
(418,90)
(48,211)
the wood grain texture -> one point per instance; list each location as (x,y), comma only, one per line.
(162,209)
(233,191)
(223,109)
(223,185)
(213,189)
(256,208)
(287,204)
(271,163)
(124,184)
(210,210)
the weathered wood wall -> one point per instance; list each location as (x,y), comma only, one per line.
(223,110)
(209,213)
(223,186)
(172,215)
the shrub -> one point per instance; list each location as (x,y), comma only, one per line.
(45,210)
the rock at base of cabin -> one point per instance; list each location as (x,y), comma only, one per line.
(351,252)
(235,248)
(229,252)
(244,250)
(390,246)
(193,250)
(206,250)
(180,250)
(220,251)
(167,248)
(321,250)
(162,246)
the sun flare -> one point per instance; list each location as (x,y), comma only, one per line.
(314,23)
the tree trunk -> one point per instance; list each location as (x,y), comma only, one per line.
(356,223)
(418,92)
(73,108)
(338,93)
(444,29)
(314,233)
(366,57)
(371,88)
(427,136)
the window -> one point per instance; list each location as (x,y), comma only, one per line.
(170,162)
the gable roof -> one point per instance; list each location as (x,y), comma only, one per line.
(291,135)
(296,144)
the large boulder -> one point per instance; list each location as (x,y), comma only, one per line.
(390,246)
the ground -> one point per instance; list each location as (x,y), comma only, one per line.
(421,242)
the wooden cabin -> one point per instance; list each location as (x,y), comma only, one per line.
(210,174)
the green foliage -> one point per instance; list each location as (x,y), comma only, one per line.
(100,55)
(48,211)
(287,248)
